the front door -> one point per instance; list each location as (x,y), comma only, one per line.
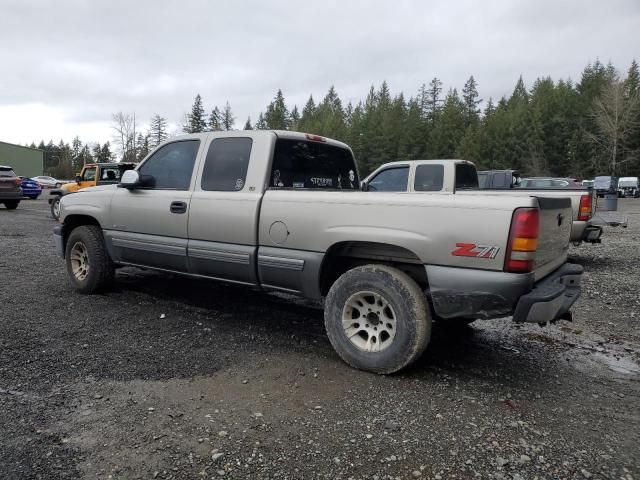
(148,226)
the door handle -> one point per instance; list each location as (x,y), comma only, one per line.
(178,207)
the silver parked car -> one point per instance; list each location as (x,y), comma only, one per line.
(48,182)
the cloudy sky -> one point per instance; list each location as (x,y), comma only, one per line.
(66,66)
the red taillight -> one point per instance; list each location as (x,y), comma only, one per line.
(586,207)
(523,240)
(17,182)
(315,138)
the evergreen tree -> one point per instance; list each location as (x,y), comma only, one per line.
(471,102)
(215,120)
(294,118)
(227,119)
(196,121)
(157,130)
(142,146)
(105,153)
(308,118)
(330,117)
(433,100)
(247,125)
(76,150)
(277,115)
(261,124)
(632,82)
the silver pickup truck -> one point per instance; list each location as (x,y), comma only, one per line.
(283,211)
(397,176)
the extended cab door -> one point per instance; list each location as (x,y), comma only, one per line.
(148,225)
(223,219)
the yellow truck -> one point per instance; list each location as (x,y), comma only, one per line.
(92,174)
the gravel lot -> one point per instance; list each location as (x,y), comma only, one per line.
(166,377)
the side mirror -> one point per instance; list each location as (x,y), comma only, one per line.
(364,186)
(130,180)
(78,178)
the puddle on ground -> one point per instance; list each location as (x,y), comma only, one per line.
(599,364)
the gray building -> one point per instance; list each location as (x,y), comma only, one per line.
(25,161)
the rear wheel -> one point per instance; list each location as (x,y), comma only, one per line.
(377,318)
(55,208)
(88,263)
(11,204)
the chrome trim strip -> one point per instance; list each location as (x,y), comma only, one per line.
(149,246)
(280,262)
(219,255)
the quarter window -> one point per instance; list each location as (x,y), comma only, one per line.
(171,167)
(429,178)
(390,180)
(225,168)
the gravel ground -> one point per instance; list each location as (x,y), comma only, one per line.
(166,377)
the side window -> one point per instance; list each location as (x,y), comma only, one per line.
(172,166)
(89,174)
(429,178)
(467,176)
(390,180)
(225,168)
(109,174)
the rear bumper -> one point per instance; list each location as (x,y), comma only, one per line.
(551,298)
(471,293)
(592,234)
(11,195)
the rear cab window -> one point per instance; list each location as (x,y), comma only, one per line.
(466,176)
(312,165)
(6,172)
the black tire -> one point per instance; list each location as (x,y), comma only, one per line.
(33,197)
(55,208)
(11,204)
(408,305)
(99,271)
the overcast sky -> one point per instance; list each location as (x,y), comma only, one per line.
(66,66)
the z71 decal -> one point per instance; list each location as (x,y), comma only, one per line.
(473,250)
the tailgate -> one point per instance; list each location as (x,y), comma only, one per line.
(555,231)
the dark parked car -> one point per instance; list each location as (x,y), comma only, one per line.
(10,189)
(30,188)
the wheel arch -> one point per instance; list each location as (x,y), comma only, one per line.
(71,222)
(345,255)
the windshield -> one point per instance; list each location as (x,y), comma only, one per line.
(7,172)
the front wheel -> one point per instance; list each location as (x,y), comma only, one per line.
(55,208)
(88,263)
(377,318)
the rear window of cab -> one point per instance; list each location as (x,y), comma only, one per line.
(312,165)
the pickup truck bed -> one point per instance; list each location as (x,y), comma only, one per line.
(283,211)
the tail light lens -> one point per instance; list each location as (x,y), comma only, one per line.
(17,182)
(586,207)
(523,241)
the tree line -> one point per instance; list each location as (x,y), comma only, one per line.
(558,128)
(555,127)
